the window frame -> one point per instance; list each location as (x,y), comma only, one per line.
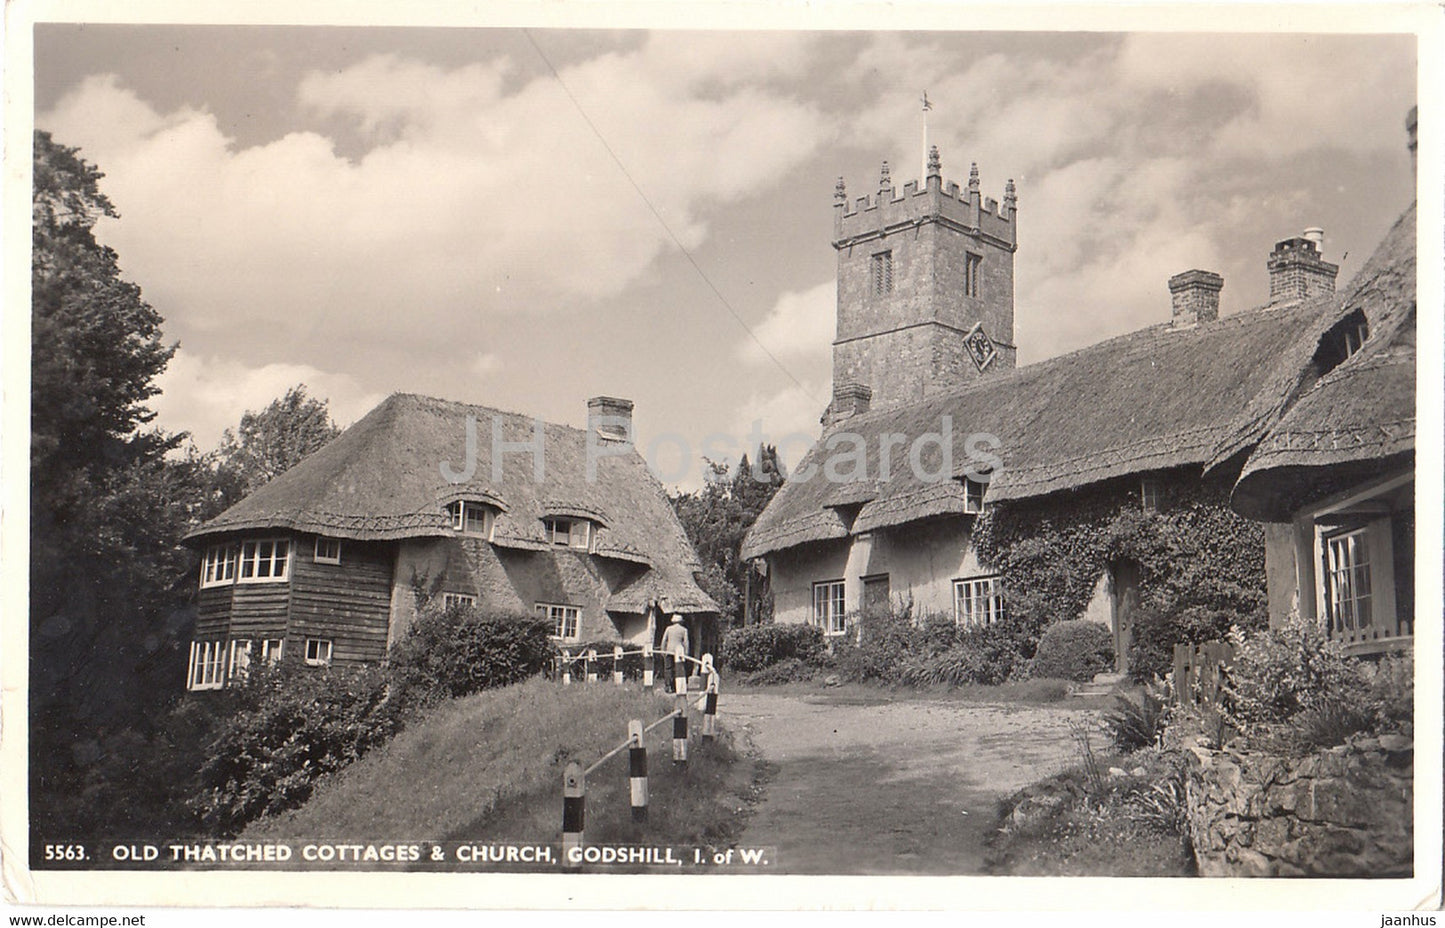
(972,273)
(206,667)
(460,511)
(881,273)
(830,610)
(987,603)
(254,561)
(318,661)
(461,599)
(219,559)
(550,529)
(973,495)
(559,619)
(320,558)
(1149,493)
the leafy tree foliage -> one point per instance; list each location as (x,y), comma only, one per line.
(717,517)
(110,496)
(272,441)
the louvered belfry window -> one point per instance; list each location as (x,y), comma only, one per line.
(882,273)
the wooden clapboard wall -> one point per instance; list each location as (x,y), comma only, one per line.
(348,603)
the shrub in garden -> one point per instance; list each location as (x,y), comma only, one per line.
(787,670)
(1157,631)
(754,647)
(885,644)
(988,655)
(1133,725)
(292,726)
(1073,650)
(459,650)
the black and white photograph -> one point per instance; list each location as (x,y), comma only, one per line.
(583,456)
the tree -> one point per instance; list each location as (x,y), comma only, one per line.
(717,518)
(110,497)
(272,441)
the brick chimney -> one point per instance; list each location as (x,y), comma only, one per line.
(611,417)
(1196,297)
(1296,270)
(849,399)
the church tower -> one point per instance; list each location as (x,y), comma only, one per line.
(925,290)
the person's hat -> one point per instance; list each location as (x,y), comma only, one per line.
(676,617)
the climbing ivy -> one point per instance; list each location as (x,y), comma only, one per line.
(1193,552)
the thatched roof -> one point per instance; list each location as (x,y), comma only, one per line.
(382,479)
(1358,419)
(1157,398)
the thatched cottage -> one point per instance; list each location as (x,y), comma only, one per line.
(464,503)
(890,501)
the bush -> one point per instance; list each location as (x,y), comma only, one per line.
(293,725)
(988,655)
(754,647)
(885,644)
(462,649)
(1133,725)
(787,670)
(1156,632)
(1073,650)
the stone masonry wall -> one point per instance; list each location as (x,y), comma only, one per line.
(1343,812)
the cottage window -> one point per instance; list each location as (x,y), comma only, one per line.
(881,272)
(1149,494)
(569,533)
(1348,586)
(973,495)
(1344,339)
(971,265)
(207,668)
(978,601)
(318,651)
(828,607)
(219,566)
(565,619)
(328,550)
(240,659)
(472,518)
(458,599)
(264,561)
(271,650)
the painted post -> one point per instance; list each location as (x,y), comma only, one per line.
(709,712)
(679,672)
(647,664)
(591,665)
(637,770)
(574,812)
(566,667)
(679,732)
(617,664)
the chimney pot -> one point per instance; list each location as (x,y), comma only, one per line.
(611,417)
(1195,295)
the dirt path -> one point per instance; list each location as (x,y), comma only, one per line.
(905,787)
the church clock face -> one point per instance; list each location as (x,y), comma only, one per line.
(980,347)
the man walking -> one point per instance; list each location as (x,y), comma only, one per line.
(674,637)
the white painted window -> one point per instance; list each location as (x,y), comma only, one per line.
(978,601)
(1149,494)
(207,668)
(472,518)
(239,660)
(973,495)
(271,650)
(1349,582)
(318,651)
(218,567)
(881,273)
(264,561)
(328,550)
(829,607)
(458,599)
(565,619)
(569,533)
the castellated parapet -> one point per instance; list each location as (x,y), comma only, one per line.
(921,273)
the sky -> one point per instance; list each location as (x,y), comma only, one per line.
(525,219)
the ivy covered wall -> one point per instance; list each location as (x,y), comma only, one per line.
(1200,565)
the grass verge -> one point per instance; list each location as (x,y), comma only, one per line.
(489,766)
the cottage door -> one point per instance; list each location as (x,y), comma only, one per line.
(1125,606)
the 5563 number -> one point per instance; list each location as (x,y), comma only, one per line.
(65,852)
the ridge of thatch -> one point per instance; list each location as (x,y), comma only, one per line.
(1155,398)
(382,479)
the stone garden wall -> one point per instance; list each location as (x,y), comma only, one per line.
(1342,812)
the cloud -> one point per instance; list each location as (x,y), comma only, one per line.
(800,325)
(206,395)
(486,363)
(469,197)
(787,417)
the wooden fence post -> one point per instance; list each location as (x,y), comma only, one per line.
(637,770)
(647,667)
(709,712)
(679,732)
(617,664)
(679,672)
(591,665)
(574,811)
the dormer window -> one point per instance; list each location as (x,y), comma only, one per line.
(1347,337)
(973,491)
(568,533)
(472,518)
(1149,494)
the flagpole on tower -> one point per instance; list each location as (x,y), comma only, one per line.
(923,174)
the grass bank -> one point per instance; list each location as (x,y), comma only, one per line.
(489,767)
